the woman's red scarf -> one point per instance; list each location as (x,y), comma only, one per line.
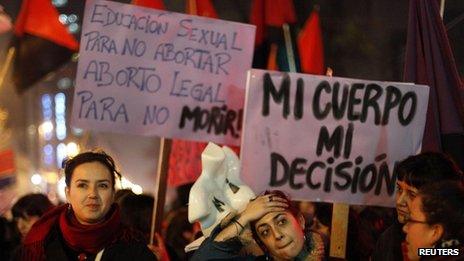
(81,238)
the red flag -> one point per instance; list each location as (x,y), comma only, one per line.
(184,162)
(202,8)
(429,60)
(270,13)
(310,46)
(42,43)
(7,165)
(156,4)
(272,58)
(279,12)
(40,18)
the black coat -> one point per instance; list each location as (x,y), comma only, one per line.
(388,247)
(56,249)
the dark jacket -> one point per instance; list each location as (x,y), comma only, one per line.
(229,250)
(388,247)
(56,249)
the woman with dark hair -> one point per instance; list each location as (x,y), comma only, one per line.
(28,209)
(276,225)
(89,226)
(436,221)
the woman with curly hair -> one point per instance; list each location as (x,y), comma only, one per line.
(276,225)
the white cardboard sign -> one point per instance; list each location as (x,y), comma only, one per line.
(327,138)
(152,72)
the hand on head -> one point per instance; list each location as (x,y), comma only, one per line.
(262,205)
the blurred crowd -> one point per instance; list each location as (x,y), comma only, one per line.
(100,223)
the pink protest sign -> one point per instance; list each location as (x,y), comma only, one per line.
(327,138)
(153,72)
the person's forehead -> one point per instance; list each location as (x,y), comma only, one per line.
(270,217)
(91,170)
(406,186)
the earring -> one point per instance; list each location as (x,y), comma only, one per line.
(69,207)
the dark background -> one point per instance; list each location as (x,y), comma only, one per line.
(362,38)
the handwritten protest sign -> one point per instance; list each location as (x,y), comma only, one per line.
(329,139)
(153,72)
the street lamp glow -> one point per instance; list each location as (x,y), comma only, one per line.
(46,126)
(61,185)
(72,149)
(36,179)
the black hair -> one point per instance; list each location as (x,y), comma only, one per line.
(175,232)
(31,205)
(426,168)
(443,203)
(137,212)
(291,207)
(91,156)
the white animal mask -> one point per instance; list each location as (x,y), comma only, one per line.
(218,191)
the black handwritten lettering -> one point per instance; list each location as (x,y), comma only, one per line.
(328,176)
(353,101)
(350,103)
(156,114)
(339,107)
(234,47)
(142,78)
(100,73)
(217,119)
(219,40)
(135,47)
(392,100)
(412,97)
(283,94)
(367,181)
(339,176)
(318,113)
(298,108)
(276,160)
(99,43)
(97,109)
(371,102)
(343,174)
(335,141)
(296,169)
(197,91)
(384,174)
(199,59)
(106,16)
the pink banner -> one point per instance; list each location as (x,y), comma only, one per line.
(153,72)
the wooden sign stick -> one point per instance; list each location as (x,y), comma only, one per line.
(339,230)
(160,186)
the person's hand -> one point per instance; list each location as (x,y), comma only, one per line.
(261,206)
(159,248)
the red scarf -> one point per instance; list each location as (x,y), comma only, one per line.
(81,238)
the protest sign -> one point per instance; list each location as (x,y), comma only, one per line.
(152,72)
(327,138)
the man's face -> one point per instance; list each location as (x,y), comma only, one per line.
(404,195)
